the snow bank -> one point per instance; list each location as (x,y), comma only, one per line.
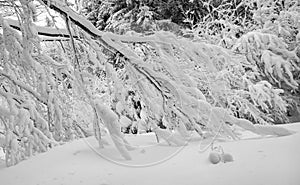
(257,160)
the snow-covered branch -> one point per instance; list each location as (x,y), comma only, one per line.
(23,86)
(77,19)
(45,31)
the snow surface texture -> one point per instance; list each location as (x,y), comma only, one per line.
(257,160)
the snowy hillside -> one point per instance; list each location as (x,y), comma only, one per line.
(257,160)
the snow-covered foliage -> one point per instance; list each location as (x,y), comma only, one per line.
(273,49)
(266,32)
(269,56)
(52,92)
(37,102)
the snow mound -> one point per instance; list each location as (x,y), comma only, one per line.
(263,160)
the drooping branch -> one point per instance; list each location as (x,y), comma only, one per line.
(45,31)
(77,19)
(22,103)
(76,65)
(23,86)
(92,30)
(81,22)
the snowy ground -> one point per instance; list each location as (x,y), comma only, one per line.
(274,161)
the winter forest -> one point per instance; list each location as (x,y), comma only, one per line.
(134,80)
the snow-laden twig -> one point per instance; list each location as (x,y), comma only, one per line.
(24,86)
(79,20)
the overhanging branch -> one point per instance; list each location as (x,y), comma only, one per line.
(77,19)
(45,31)
(23,86)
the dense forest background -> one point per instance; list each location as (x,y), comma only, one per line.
(74,69)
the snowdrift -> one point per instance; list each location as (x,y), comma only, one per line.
(257,160)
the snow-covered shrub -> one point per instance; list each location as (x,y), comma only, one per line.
(37,92)
(159,79)
(176,76)
(272,50)
(270,58)
(265,31)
